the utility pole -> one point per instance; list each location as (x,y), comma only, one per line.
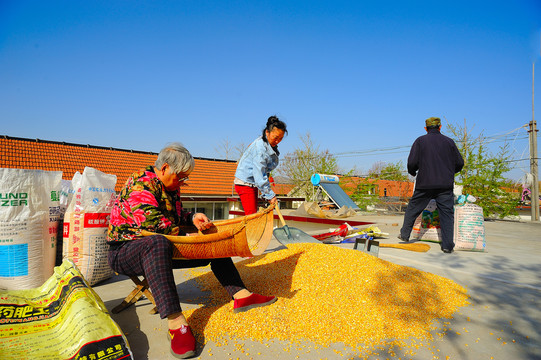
(533,158)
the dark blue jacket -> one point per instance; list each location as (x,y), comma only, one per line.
(435,159)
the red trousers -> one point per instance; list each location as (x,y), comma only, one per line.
(248,198)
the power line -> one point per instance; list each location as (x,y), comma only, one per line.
(404,148)
(506,137)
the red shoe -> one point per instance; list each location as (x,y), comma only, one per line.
(182,342)
(252,301)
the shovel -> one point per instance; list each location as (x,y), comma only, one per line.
(290,235)
(371,246)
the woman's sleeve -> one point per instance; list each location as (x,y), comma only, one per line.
(261,177)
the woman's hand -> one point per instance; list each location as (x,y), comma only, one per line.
(201,221)
(274,200)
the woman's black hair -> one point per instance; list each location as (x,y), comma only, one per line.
(273,122)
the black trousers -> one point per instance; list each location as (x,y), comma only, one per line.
(445,203)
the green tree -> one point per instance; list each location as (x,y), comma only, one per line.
(483,172)
(388,171)
(298,167)
(366,191)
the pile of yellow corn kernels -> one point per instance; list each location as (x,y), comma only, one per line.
(328,294)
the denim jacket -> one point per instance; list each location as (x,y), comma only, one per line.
(255,165)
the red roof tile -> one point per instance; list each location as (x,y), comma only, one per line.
(209,178)
(282,189)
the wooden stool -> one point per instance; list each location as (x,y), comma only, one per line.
(141,289)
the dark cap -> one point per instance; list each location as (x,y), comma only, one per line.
(433,121)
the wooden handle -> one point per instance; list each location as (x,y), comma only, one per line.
(280,215)
(411,247)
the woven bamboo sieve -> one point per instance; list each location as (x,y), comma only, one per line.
(244,236)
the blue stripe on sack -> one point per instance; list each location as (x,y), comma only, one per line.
(14,260)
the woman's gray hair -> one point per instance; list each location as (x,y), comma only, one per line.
(177,157)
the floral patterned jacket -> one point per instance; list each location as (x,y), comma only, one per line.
(145,204)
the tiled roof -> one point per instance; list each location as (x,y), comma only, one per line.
(282,189)
(209,178)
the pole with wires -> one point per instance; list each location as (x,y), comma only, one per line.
(533,158)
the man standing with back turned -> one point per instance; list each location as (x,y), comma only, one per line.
(434,159)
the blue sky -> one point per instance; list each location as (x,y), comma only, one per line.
(358,76)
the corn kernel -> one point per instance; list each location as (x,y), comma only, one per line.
(328,294)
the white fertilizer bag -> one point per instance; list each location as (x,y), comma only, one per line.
(86,221)
(29,214)
(427,225)
(469,228)
(65,191)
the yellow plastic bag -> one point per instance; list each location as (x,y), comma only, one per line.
(62,319)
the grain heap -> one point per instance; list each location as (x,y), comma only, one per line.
(328,294)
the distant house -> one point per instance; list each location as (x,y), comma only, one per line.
(392,195)
(209,190)
(382,188)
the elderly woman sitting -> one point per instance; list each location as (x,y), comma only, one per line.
(150,200)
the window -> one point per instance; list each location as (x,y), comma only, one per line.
(213,210)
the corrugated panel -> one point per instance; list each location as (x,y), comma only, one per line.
(338,196)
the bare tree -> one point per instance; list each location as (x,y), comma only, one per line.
(388,171)
(230,152)
(240,149)
(376,169)
(301,164)
(224,149)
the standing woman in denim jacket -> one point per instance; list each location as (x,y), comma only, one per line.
(255,165)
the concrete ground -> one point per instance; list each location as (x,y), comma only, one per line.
(502,322)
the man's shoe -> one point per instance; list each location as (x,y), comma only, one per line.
(447,251)
(252,301)
(401,238)
(182,342)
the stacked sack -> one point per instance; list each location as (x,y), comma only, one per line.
(29,216)
(469,225)
(86,221)
(427,225)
